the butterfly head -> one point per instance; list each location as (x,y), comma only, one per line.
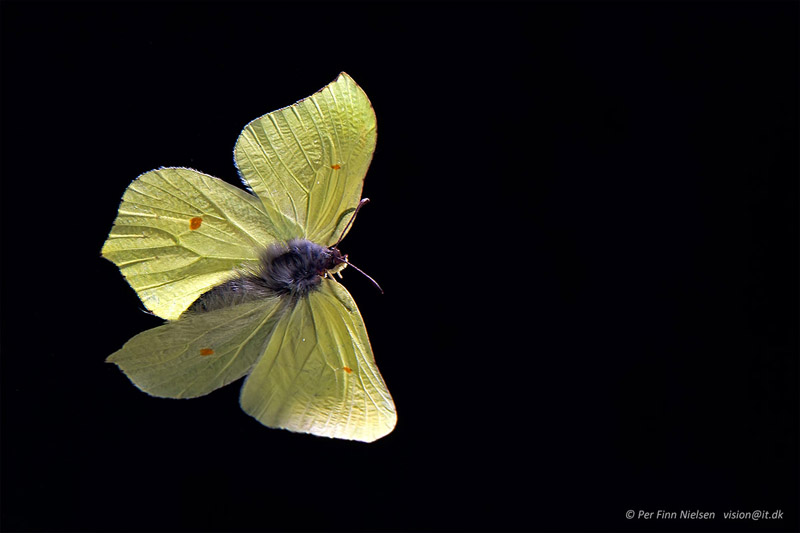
(334,262)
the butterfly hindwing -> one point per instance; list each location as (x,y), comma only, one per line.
(318,374)
(180,232)
(201,352)
(307,162)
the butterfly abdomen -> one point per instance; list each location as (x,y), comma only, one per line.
(294,268)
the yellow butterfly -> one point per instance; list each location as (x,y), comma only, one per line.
(246,282)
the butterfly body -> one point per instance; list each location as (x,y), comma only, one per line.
(299,267)
(289,270)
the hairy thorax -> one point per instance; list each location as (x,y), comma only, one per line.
(294,269)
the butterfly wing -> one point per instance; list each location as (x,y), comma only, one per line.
(200,352)
(179,233)
(318,374)
(307,162)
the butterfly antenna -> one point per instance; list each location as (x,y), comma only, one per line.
(361,204)
(364,273)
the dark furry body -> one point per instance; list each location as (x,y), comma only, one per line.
(291,269)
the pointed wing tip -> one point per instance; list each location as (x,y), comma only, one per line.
(344,77)
(378,437)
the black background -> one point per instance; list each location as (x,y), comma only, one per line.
(584,217)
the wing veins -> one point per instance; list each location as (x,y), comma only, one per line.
(280,157)
(335,374)
(267,192)
(239,349)
(229,219)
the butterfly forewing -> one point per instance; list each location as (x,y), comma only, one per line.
(307,162)
(179,232)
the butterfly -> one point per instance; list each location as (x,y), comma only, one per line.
(246,281)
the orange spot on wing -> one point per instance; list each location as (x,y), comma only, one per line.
(336,167)
(348,369)
(195,222)
(206,351)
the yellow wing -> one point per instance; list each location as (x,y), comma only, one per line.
(200,352)
(307,162)
(318,374)
(179,233)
